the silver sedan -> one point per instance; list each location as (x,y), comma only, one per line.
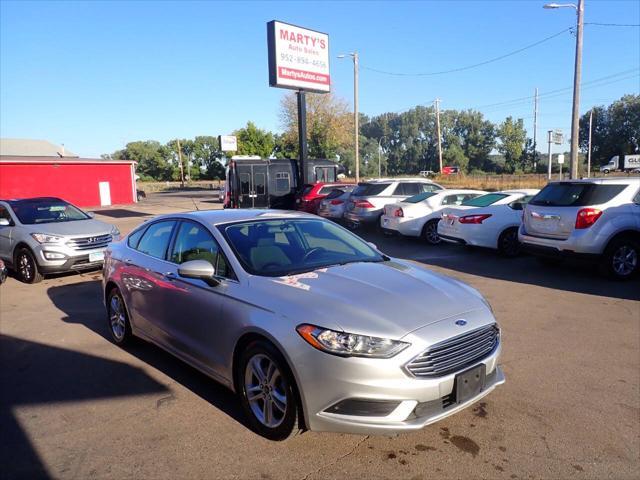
(311,326)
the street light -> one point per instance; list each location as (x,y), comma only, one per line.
(354,55)
(379,156)
(575,116)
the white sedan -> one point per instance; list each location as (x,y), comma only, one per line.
(490,221)
(419,215)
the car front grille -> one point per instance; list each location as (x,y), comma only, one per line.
(89,243)
(455,353)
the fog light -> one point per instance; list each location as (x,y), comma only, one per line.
(364,407)
(53,256)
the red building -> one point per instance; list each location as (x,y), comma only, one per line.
(86,182)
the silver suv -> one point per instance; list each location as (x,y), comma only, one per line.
(594,219)
(48,235)
(367,201)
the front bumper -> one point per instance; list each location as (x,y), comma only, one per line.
(69,260)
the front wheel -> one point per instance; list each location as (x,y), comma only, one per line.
(621,258)
(430,232)
(118,318)
(267,392)
(26,267)
(508,244)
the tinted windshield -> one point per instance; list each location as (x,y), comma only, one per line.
(484,200)
(30,212)
(419,197)
(368,189)
(575,194)
(288,246)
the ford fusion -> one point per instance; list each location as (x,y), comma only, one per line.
(312,327)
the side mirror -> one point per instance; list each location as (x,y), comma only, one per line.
(200,269)
(4,222)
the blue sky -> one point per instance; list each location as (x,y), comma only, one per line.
(96,75)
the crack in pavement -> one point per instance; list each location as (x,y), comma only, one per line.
(330,464)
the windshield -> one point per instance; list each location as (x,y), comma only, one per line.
(31,212)
(419,197)
(369,189)
(282,247)
(484,200)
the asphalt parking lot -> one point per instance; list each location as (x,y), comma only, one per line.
(73,405)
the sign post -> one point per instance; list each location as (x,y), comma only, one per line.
(560,162)
(298,60)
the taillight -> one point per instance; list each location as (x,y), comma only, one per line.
(363,204)
(476,219)
(587,217)
(337,202)
(398,213)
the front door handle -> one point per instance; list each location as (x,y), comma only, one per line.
(171,275)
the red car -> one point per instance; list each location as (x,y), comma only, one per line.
(309,199)
(450,170)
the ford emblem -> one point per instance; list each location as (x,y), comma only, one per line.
(461,323)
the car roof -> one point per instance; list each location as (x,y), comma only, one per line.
(601,180)
(232,215)
(522,191)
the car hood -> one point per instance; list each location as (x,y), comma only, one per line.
(73,228)
(385,299)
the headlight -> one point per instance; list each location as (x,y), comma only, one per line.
(349,344)
(46,238)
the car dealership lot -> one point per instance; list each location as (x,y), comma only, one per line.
(75,406)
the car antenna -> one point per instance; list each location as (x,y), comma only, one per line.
(195,204)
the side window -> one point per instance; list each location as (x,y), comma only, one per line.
(134,238)
(452,200)
(411,189)
(245,183)
(430,187)
(4,213)
(283,182)
(155,239)
(194,242)
(399,189)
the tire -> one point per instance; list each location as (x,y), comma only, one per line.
(430,232)
(118,318)
(26,267)
(606,172)
(621,259)
(508,244)
(274,410)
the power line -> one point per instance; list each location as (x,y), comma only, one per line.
(613,24)
(468,67)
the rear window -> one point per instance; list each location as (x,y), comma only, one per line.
(326,190)
(576,194)
(306,190)
(419,197)
(335,193)
(369,189)
(485,200)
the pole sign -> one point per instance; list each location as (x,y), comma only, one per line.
(298,58)
(557,137)
(228,143)
(561,159)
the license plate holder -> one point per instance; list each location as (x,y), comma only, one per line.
(96,257)
(470,383)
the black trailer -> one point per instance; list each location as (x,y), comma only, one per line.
(254,182)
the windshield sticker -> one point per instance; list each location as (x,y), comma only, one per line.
(294,280)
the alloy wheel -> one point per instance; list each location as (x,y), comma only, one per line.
(26,267)
(431,233)
(117,317)
(265,390)
(625,261)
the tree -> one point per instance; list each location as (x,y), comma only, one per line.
(154,159)
(616,129)
(329,125)
(512,139)
(254,141)
(208,157)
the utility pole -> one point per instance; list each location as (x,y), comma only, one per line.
(575,117)
(355,113)
(550,133)
(535,132)
(302,137)
(180,163)
(380,156)
(437,102)
(589,152)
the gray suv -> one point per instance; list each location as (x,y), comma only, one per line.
(48,235)
(367,201)
(594,219)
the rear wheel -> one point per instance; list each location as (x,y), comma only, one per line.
(430,232)
(267,392)
(508,244)
(118,318)
(26,267)
(621,258)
